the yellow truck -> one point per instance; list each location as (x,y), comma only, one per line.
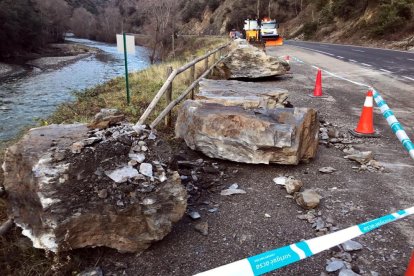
(262,32)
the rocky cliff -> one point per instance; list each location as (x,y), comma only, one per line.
(386,23)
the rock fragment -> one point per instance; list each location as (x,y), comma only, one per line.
(139,157)
(293,185)
(327,170)
(96,271)
(106,118)
(202,227)
(232,191)
(333,133)
(307,199)
(280,180)
(351,246)
(334,265)
(347,272)
(146,169)
(103,193)
(123,174)
(194,215)
(361,157)
(77,147)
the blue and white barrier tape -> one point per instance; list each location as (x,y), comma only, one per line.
(275,259)
(396,127)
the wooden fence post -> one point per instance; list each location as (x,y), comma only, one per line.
(168,97)
(192,79)
(205,64)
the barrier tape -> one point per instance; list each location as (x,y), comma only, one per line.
(278,258)
(392,121)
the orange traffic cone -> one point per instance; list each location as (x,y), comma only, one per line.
(317,92)
(365,126)
(410,269)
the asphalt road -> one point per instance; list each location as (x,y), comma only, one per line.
(397,63)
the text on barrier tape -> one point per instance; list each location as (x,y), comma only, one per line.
(277,258)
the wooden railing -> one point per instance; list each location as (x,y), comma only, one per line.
(167,86)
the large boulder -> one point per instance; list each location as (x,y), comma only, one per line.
(281,135)
(247,61)
(70,187)
(237,93)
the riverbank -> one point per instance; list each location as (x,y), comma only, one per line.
(66,53)
(52,57)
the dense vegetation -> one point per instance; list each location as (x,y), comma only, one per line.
(388,15)
(20,27)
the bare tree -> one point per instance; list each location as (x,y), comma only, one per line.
(83,23)
(110,22)
(55,16)
(162,15)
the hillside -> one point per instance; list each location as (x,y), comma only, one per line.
(385,23)
(27,25)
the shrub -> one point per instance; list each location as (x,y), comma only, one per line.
(326,16)
(193,9)
(343,8)
(391,17)
(320,4)
(213,4)
(309,29)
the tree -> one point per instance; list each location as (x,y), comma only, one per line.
(110,22)
(54,15)
(162,15)
(20,28)
(83,23)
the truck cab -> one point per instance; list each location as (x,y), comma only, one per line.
(269,29)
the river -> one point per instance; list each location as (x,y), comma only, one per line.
(34,94)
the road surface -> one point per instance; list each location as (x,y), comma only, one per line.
(397,63)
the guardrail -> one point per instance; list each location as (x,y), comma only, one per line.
(167,86)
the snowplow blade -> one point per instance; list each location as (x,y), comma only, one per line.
(275,42)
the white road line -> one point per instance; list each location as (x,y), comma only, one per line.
(369,65)
(386,71)
(351,60)
(408,78)
(339,57)
(358,50)
(322,52)
(411,59)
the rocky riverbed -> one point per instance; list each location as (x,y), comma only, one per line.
(52,57)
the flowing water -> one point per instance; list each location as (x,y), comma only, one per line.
(34,95)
